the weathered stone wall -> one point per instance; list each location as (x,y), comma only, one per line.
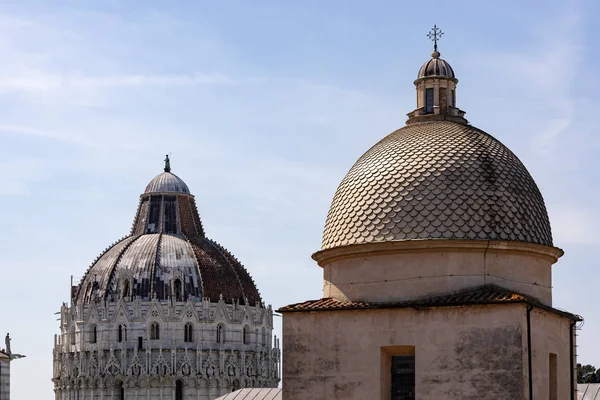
(85,368)
(410,270)
(461,352)
(550,334)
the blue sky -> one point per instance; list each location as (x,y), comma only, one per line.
(264,107)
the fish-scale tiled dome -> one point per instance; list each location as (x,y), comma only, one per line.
(437,180)
(436,67)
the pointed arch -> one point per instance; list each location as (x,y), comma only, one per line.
(119,390)
(178,290)
(220,333)
(188,333)
(122,333)
(154,331)
(246,334)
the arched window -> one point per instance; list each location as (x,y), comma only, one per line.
(429,100)
(88,291)
(122,333)
(125,289)
(220,334)
(188,332)
(178,390)
(264,336)
(154,331)
(93,334)
(246,335)
(178,290)
(120,395)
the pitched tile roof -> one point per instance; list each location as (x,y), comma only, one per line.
(489,294)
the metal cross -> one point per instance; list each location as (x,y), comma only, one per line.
(435,34)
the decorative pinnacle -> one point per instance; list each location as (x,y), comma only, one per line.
(435,34)
(167,164)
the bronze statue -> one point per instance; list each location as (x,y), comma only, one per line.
(7,340)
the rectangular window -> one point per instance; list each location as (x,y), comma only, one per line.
(453,99)
(140,343)
(154,331)
(403,377)
(429,100)
(153,219)
(93,334)
(187,333)
(170,214)
(553,377)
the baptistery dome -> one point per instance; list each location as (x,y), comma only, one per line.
(164,312)
(167,255)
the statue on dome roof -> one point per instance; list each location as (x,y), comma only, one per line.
(167,164)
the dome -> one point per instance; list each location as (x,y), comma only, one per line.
(149,265)
(167,182)
(167,255)
(436,67)
(437,180)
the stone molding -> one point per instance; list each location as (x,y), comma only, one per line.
(326,256)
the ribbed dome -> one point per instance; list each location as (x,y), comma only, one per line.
(436,67)
(437,180)
(148,265)
(167,182)
(167,255)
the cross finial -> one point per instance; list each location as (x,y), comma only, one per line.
(435,34)
(167,164)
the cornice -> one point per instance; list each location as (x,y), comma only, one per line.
(323,257)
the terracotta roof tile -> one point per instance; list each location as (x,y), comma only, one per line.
(480,296)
